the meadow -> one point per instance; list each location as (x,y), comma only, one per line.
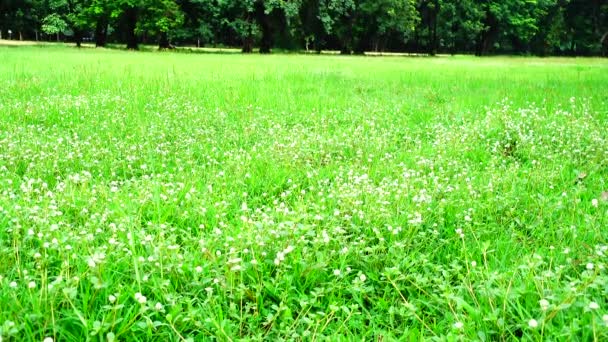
(152,196)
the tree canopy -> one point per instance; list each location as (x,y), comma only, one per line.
(541,27)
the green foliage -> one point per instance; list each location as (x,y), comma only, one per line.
(544,27)
(53,24)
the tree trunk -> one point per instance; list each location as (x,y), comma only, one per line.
(36,32)
(20,35)
(0,33)
(264,22)
(247,48)
(57,37)
(163,41)
(131,17)
(487,37)
(78,38)
(266,42)
(604,42)
(101,32)
(248,43)
(434,40)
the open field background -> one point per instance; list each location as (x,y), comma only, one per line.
(168,196)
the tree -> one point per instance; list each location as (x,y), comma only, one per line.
(54,24)
(365,24)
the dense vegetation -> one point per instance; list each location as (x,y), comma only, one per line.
(182,197)
(542,27)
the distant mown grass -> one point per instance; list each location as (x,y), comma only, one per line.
(171,196)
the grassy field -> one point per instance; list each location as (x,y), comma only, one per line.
(173,196)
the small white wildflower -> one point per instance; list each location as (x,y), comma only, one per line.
(590,266)
(13,284)
(254,262)
(111,298)
(594,306)
(336,272)
(473,263)
(234,261)
(362,277)
(544,304)
(48,339)
(605,319)
(458,325)
(198,269)
(158,306)
(37,256)
(31,285)
(594,202)
(236,268)
(141,299)
(532,323)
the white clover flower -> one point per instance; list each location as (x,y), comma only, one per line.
(605,319)
(13,284)
(474,263)
(140,298)
(458,325)
(532,323)
(590,266)
(235,261)
(594,202)
(362,277)
(158,307)
(337,272)
(111,298)
(544,304)
(48,339)
(594,306)
(198,269)
(31,285)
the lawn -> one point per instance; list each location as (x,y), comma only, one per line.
(199,196)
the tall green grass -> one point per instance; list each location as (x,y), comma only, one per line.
(168,196)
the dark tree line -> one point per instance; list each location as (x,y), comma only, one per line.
(541,27)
